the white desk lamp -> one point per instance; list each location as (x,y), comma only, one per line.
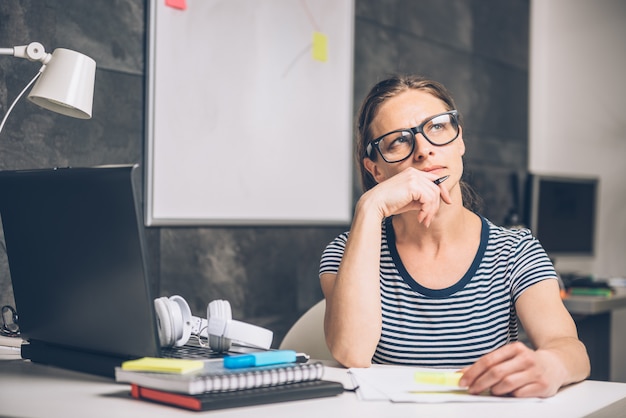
(66,80)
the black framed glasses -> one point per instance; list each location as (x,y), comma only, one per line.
(396,146)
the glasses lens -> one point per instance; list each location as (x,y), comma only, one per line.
(441,129)
(396,146)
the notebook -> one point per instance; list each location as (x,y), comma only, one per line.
(77,256)
(214,377)
(246,397)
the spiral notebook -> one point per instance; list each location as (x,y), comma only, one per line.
(216,378)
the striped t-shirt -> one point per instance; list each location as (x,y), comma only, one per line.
(452,327)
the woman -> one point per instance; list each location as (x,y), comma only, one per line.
(422,280)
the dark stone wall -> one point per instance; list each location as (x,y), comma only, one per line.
(478,48)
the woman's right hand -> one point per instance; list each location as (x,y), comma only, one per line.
(409,190)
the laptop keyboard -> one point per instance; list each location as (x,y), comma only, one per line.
(189,352)
(193,349)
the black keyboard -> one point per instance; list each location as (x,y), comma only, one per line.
(193,349)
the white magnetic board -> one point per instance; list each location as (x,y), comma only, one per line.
(249,112)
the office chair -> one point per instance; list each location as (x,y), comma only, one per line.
(307,334)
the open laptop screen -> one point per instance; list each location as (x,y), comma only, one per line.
(74,240)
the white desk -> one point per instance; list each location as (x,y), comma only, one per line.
(33,390)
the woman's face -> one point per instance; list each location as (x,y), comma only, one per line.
(407,110)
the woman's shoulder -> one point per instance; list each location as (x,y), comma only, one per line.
(339,241)
(333,253)
(504,232)
(510,241)
(342,238)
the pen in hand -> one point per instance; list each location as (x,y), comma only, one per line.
(440,180)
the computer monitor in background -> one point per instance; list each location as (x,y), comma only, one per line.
(561,213)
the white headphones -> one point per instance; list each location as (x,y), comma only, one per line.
(176,325)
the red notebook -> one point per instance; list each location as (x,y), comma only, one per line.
(238,398)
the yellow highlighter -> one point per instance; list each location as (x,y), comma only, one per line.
(438,378)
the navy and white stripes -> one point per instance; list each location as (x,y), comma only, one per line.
(455,326)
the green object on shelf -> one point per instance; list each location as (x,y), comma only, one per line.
(590,291)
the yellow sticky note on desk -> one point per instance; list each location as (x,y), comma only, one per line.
(163,365)
(320,47)
(438,378)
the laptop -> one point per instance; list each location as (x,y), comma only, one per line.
(76,251)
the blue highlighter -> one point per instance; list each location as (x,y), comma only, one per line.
(262,358)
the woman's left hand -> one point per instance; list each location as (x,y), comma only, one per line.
(516,370)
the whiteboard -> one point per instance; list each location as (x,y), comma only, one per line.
(249,112)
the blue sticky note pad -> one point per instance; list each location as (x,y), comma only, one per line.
(262,358)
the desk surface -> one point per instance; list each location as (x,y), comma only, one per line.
(33,390)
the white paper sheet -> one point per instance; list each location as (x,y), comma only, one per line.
(397,384)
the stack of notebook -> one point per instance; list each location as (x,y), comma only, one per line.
(206,385)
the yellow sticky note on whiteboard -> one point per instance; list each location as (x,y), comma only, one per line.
(320,47)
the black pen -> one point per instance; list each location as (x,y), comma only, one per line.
(440,180)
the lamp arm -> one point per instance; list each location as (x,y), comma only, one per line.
(4,119)
(34,51)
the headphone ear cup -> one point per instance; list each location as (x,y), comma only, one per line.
(181,324)
(220,313)
(164,322)
(173,320)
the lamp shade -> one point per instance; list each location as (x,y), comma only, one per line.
(66,84)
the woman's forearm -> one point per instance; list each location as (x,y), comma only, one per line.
(353,310)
